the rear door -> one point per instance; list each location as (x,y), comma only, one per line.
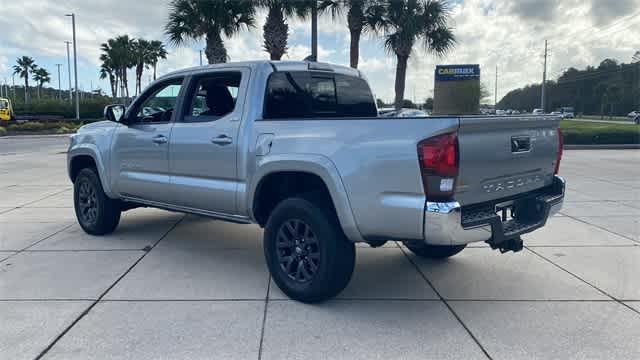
(204,142)
(505,156)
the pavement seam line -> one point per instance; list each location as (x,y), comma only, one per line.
(26,249)
(475,339)
(104,293)
(583,280)
(600,227)
(264,317)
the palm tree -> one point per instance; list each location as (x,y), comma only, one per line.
(403,23)
(141,56)
(276,30)
(356,22)
(107,71)
(194,19)
(118,51)
(41,76)
(157,52)
(24,68)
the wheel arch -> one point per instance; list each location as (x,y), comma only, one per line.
(86,155)
(315,168)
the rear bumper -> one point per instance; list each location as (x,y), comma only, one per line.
(448,223)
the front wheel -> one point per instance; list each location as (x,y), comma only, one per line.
(309,257)
(433,251)
(97,214)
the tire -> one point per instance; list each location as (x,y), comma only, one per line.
(97,213)
(320,264)
(433,251)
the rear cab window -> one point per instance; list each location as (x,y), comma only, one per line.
(308,94)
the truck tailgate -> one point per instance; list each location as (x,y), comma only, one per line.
(504,156)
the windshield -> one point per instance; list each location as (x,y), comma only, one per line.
(4,104)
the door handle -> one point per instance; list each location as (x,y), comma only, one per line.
(159,139)
(222,140)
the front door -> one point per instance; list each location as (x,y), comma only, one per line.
(141,148)
(204,142)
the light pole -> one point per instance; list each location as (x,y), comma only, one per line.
(314,31)
(200,57)
(75,63)
(59,83)
(69,71)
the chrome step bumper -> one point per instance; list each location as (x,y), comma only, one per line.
(448,223)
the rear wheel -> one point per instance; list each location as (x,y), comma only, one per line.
(97,214)
(308,256)
(433,251)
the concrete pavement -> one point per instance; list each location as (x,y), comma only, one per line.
(170,286)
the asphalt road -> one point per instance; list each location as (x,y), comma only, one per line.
(33,144)
(172,286)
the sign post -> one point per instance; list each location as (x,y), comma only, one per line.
(457,90)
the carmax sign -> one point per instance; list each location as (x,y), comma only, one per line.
(457,72)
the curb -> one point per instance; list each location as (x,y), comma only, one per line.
(603,147)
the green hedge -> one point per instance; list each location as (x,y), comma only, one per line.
(60,127)
(89,108)
(590,133)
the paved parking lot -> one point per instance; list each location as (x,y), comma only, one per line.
(166,285)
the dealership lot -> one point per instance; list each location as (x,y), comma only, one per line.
(167,285)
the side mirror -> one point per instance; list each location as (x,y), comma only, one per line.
(114,113)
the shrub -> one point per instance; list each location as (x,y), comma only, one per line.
(583,133)
(89,108)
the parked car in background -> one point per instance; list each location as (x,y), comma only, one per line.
(537,112)
(405,112)
(633,114)
(298,148)
(568,112)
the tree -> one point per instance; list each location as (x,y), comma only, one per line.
(276,30)
(41,76)
(357,12)
(107,71)
(24,67)
(118,52)
(141,57)
(157,52)
(194,19)
(405,22)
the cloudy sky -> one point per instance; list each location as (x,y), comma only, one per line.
(509,34)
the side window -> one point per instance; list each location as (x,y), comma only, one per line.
(305,94)
(212,96)
(159,105)
(286,96)
(354,97)
(323,96)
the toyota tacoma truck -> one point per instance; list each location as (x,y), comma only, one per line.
(298,148)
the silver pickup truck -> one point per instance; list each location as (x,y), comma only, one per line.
(298,148)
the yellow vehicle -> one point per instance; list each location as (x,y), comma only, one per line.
(6,111)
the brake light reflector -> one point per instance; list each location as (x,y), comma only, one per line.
(439,155)
(560,150)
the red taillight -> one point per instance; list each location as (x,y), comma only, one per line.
(560,149)
(439,159)
(439,155)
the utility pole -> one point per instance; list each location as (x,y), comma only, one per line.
(544,79)
(75,63)
(59,83)
(200,57)
(314,31)
(69,71)
(495,91)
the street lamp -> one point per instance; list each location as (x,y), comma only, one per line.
(69,71)
(75,63)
